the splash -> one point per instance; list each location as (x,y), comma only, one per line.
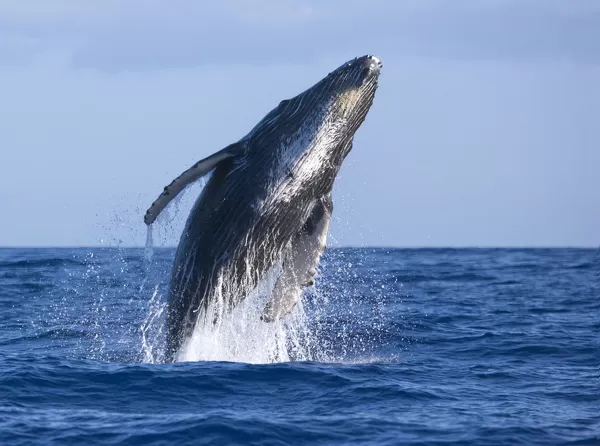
(241,335)
(237,336)
(149,247)
(152,329)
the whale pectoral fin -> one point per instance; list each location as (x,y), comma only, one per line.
(198,170)
(300,261)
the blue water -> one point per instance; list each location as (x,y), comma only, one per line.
(433,346)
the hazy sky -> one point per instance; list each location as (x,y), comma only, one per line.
(484,132)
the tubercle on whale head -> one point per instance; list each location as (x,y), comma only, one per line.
(369,65)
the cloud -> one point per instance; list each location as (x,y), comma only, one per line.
(138,35)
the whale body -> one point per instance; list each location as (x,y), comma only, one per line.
(268,200)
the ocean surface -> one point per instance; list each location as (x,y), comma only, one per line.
(392,346)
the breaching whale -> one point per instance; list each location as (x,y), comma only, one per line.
(268,202)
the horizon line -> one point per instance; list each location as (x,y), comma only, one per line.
(328,248)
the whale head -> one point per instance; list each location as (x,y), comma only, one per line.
(325,115)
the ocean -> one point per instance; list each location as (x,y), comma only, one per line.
(392,346)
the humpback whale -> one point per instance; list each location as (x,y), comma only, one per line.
(267,203)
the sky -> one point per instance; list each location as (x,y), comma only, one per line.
(484,130)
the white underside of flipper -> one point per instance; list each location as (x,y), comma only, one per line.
(300,262)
